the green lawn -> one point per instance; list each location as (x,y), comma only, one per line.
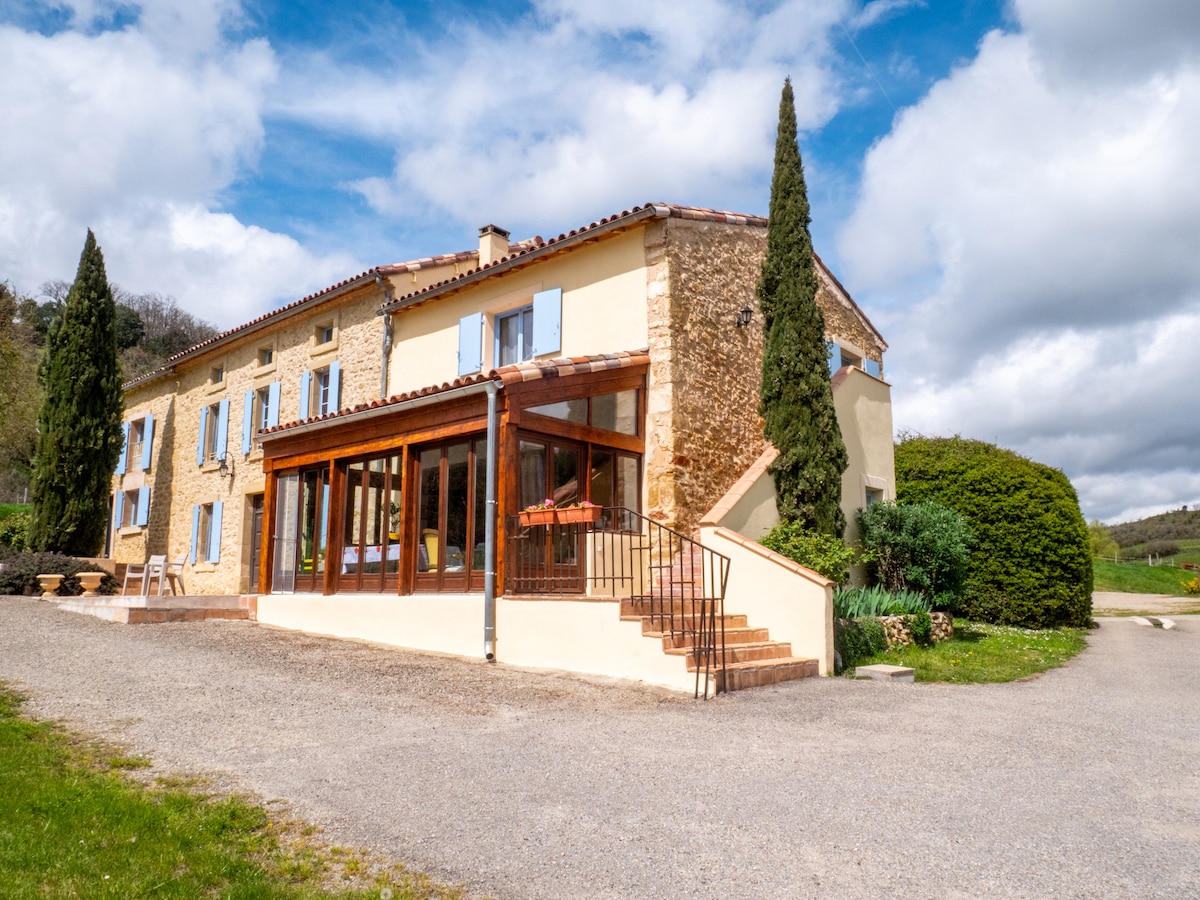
(1139,578)
(987,653)
(74,824)
(7,509)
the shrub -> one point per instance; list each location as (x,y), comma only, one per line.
(14,529)
(1193,586)
(822,553)
(1031,563)
(857,602)
(922,547)
(857,639)
(20,572)
(920,626)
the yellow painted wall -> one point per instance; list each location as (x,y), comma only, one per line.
(864,411)
(603,311)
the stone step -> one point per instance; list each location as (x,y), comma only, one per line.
(656,625)
(739,653)
(645,606)
(138,615)
(744,635)
(740,676)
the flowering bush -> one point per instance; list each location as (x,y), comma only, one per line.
(1193,586)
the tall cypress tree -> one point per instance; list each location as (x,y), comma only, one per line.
(797,401)
(79,427)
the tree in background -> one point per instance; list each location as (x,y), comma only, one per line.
(797,401)
(20,397)
(1103,543)
(1031,563)
(79,427)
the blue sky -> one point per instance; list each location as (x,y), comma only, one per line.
(1007,187)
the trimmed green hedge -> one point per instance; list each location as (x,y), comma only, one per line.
(1031,563)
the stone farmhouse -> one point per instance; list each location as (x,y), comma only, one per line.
(358,463)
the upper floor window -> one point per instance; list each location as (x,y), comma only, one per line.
(319,390)
(132,508)
(514,336)
(214,432)
(520,334)
(217,375)
(266,356)
(260,411)
(139,439)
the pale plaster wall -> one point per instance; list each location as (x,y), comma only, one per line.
(864,412)
(585,636)
(603,311)
(795,603)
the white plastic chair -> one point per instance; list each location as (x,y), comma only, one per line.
(145,573)
(175,575)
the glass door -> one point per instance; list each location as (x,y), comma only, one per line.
(450,511)
(313,530)
(371,526)
(549,556)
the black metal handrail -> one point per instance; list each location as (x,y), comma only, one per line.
(671,580)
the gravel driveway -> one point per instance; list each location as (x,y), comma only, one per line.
(1080,783)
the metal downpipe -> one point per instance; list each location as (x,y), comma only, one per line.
(386,352)
(489,559)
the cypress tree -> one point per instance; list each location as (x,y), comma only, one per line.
(79,426)
(797,401)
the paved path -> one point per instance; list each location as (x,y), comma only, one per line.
(1116,603)
(1080,783)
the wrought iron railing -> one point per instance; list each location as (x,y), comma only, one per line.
(673,582)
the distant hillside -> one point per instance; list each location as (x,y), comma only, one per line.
(1177,525)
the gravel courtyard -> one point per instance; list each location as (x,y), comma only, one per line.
(1080,783)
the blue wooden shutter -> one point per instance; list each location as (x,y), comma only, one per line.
(200,440)
(214,534)
(147,440)
(143,510)
(305,388)
(335,386)
(273,401)
(835,357)
(118,509)
(222,429)
(470,343)
(547,321)
(247,420)
(120,470)
(195,532)
(871,367)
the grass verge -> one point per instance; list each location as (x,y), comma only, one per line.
(74,823)
(1139,578)
(980,653)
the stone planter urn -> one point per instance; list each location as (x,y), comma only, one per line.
(90,582)
(49,584)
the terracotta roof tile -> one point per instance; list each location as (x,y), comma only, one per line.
(536,248)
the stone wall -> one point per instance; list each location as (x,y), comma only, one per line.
(704,427)
(178,483)
(898,631)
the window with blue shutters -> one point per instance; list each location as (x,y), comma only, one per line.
(470,344)
(547,322)
(124,449)
(206,533)
(212,443)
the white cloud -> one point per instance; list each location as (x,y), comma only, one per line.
(1031,235)
(135,133)
(636,101)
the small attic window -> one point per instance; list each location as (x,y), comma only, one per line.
(266,356)
(324,333)
(216,375)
